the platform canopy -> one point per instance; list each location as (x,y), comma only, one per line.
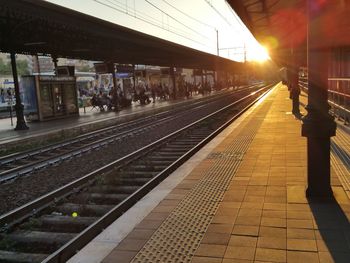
(282,24)
(39,27)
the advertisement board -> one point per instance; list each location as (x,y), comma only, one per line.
(28,89)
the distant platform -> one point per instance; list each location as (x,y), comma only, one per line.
(90,120)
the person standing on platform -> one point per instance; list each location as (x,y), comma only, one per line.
(2,96)
(295,92)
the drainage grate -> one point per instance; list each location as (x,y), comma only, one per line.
(177,239)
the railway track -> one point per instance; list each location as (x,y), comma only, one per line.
(53,227)
(24,163)
(340,158)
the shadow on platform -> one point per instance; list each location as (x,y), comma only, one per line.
(332,230)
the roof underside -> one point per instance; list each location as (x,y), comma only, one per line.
(277,24)
(38,27)
(281,25)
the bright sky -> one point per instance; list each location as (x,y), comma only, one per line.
(192,23)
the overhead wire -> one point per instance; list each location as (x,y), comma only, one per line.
(160,24)
(155,6)
(187,15)
(217,11)
(144,18)
(155,22)
(228,22)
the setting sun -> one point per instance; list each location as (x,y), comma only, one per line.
(257,53)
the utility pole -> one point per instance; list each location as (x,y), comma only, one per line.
(245,53)
(217,41)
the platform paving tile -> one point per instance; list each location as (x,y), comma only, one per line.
(227,211)
(300,223)
(272,242)
(301,244)
(157,216)
(216,238)
(131,244)
(248,220)
(149,224)
(120,256)
(219,228)
(239,252)
(242,241)
(299,233)
(243,212)
(234,260)
(224,219)
(301,256)
(197,259)
(266,231)
(273,222)
(210,250)
(141,234)
(273,255)
(274,214)
(245,230)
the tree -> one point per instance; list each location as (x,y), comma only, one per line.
(22,67)
(5,68)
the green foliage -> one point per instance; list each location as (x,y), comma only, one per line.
(5,69)
(22,67)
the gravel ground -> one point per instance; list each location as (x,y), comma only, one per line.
(28,188)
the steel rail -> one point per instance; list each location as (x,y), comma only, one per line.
(88,146)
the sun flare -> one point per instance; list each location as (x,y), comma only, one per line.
(258,53)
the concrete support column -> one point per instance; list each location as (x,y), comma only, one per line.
(21,123)
(318,125)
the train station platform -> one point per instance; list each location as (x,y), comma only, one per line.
(89,119)
(240,199)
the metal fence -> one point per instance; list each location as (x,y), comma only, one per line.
(338,96)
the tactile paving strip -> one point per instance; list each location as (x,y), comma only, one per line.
(177,239)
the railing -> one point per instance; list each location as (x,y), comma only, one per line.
(338,96)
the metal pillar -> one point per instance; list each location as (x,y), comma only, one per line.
(202,80)
(55,60)
(172,74)
(194,77)
(21,123)
(215,77)
(133,76)
(318,125)
(111,70)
